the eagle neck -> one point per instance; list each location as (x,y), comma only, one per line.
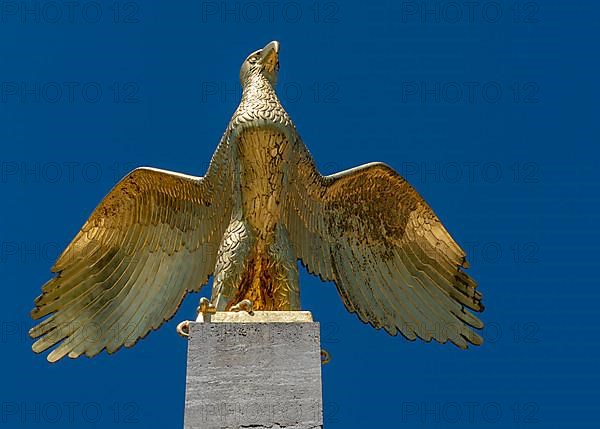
(258,87)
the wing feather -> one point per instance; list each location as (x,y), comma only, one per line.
(392,260)
(152,239)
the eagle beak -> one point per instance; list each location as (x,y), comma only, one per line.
(270,56)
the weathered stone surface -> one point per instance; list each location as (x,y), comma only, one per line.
(254,375)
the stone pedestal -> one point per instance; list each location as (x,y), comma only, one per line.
(259,371)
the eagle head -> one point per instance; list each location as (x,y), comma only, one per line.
(265,61)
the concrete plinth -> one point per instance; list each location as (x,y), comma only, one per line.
(261,371)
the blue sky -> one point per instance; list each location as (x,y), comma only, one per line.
(490,109)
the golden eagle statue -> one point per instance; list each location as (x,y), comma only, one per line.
(261,206)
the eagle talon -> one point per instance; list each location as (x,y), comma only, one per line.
(206,307)
(183,329)
(245,305)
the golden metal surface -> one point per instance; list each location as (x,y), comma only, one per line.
(260,317)
(261,206)
(183,329)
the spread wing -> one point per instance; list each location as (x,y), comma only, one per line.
(152,239)
(392,260)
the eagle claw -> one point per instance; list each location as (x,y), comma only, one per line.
(245,305)
(206,307)
(183,329)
